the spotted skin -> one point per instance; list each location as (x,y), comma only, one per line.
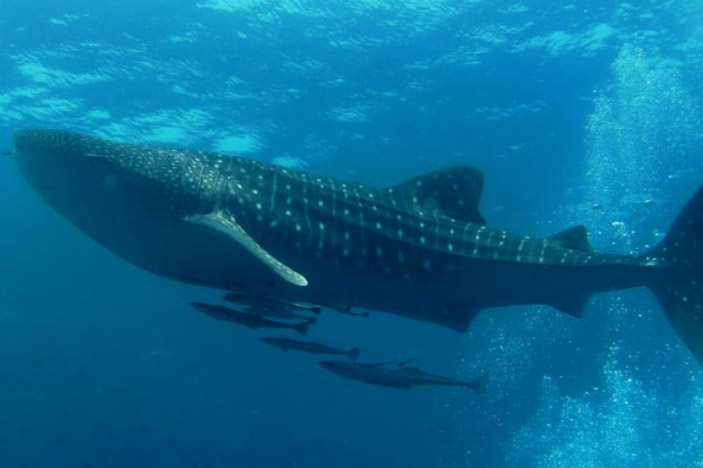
(419,249)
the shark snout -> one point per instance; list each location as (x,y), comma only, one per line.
(26,143)
(45,142)
(20,138)
(35,156)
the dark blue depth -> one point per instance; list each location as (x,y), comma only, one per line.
(580,113)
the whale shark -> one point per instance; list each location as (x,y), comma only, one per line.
(420,249)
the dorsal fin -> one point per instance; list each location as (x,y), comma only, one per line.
(453,192)
(575,238)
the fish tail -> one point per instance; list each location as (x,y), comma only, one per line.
(680,290)
(479,385)
(302,327)
(353,354)
(311,320)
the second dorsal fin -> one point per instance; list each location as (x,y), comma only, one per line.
(575,238)
(453,192)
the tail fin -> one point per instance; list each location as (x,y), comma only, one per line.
(311,320)
(302,327)
(680,292)
(353,354)
(479,385)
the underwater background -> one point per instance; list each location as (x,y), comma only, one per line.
(578,112)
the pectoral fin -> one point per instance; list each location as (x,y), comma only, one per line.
(234,231)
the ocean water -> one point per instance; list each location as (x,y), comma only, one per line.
(579,112)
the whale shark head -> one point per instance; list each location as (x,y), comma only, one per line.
(68,168)
(53,161)
(84,179)
(147,204)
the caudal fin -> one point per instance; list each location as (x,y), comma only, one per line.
(479,385)
(353,354)
(311,320)
(302,327)
(680,292)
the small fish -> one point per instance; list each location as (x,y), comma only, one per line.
(400,377)
(388,363)
(310,347)
(266,303)
(245,318)
(7,153)
(283,314)
(345,310)
(348,311)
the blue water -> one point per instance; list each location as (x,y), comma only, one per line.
(580,112)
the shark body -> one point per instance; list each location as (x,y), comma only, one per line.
(419,249)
